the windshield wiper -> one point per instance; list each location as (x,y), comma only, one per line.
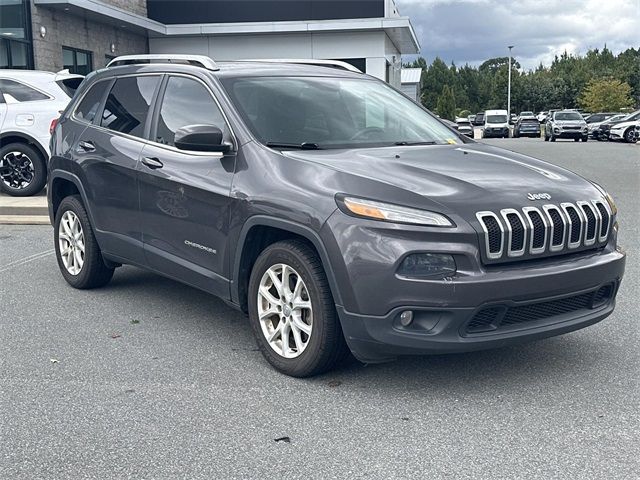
(414,143)
(297,146)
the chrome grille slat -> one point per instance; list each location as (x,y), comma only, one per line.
(512,232)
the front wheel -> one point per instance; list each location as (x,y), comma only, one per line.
(292,312)
(77,250)
(23,171)
(629,135)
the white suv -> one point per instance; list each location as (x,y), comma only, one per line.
(30,102)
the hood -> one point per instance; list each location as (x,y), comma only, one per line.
(619,125)
(473,175)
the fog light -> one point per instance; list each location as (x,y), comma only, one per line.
(419,265)
(406,318)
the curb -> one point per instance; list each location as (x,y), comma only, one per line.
(24,220)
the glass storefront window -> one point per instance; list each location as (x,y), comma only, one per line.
(77,61)
(15,34)
(13,19)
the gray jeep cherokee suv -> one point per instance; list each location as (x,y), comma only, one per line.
(333,210)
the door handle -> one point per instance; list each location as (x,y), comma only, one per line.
(86,146)
(152,162)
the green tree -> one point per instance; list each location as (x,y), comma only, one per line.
(607,94)
(446,104)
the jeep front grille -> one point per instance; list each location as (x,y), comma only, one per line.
(511,233)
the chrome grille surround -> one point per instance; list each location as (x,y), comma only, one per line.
(590,240)
(527,213)
(510,233)
(565,208)
(595,218)
(490,254)
(603,236)
(555,247)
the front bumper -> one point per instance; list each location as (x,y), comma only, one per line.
(374,295)
(570,134)
(495,132)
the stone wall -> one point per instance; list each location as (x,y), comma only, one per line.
(64,29)
(134,6)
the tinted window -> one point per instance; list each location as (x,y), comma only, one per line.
(186,102)
(70,85)
(128,103)
(19,92)
(88,107)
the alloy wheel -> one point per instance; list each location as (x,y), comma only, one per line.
(16,170)
(285,312)
(71,242)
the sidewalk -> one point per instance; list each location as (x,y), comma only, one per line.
(24,210)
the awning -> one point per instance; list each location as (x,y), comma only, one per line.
(398,29)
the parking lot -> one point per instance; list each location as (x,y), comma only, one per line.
(148,378)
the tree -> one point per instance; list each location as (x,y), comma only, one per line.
(606,95)
(446,105)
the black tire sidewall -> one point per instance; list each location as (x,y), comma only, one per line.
(39,167)
(307,360)
(94,272)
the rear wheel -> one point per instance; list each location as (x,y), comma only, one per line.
(77,250)
(23,171)
(292,312)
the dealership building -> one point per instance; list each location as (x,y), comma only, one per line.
(83,35)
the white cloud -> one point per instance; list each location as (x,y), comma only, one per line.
(475,30)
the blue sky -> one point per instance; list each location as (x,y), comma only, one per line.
(475,30)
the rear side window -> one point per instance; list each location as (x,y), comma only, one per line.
(128,104)
(186,102)
(88,107)
(70,85)
(19,92)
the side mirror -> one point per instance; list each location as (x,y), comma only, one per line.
(201,138)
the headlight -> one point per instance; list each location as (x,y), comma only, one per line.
(608,198)
(392,213)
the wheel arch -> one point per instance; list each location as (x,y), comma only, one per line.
(62,184)
(21,137)
(261,231)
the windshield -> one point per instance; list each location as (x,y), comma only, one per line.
(496,119)
(568,116)
(526,114)
(320,112)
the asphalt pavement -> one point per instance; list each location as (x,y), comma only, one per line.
(148,378)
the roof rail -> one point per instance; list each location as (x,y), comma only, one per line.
(309,61)
(195,60)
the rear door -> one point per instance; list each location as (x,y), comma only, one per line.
(108,151)
(185,196)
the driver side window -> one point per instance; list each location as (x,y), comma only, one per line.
(187,102)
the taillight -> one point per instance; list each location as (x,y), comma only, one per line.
(53,125)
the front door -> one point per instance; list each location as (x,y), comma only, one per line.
(184,196)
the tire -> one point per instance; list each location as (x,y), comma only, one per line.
(91,271)
(325,345)
(23,170)
(629,135)
(585,139)
(576,139)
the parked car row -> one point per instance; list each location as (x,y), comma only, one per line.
(30,103)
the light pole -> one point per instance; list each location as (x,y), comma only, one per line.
(509,88)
